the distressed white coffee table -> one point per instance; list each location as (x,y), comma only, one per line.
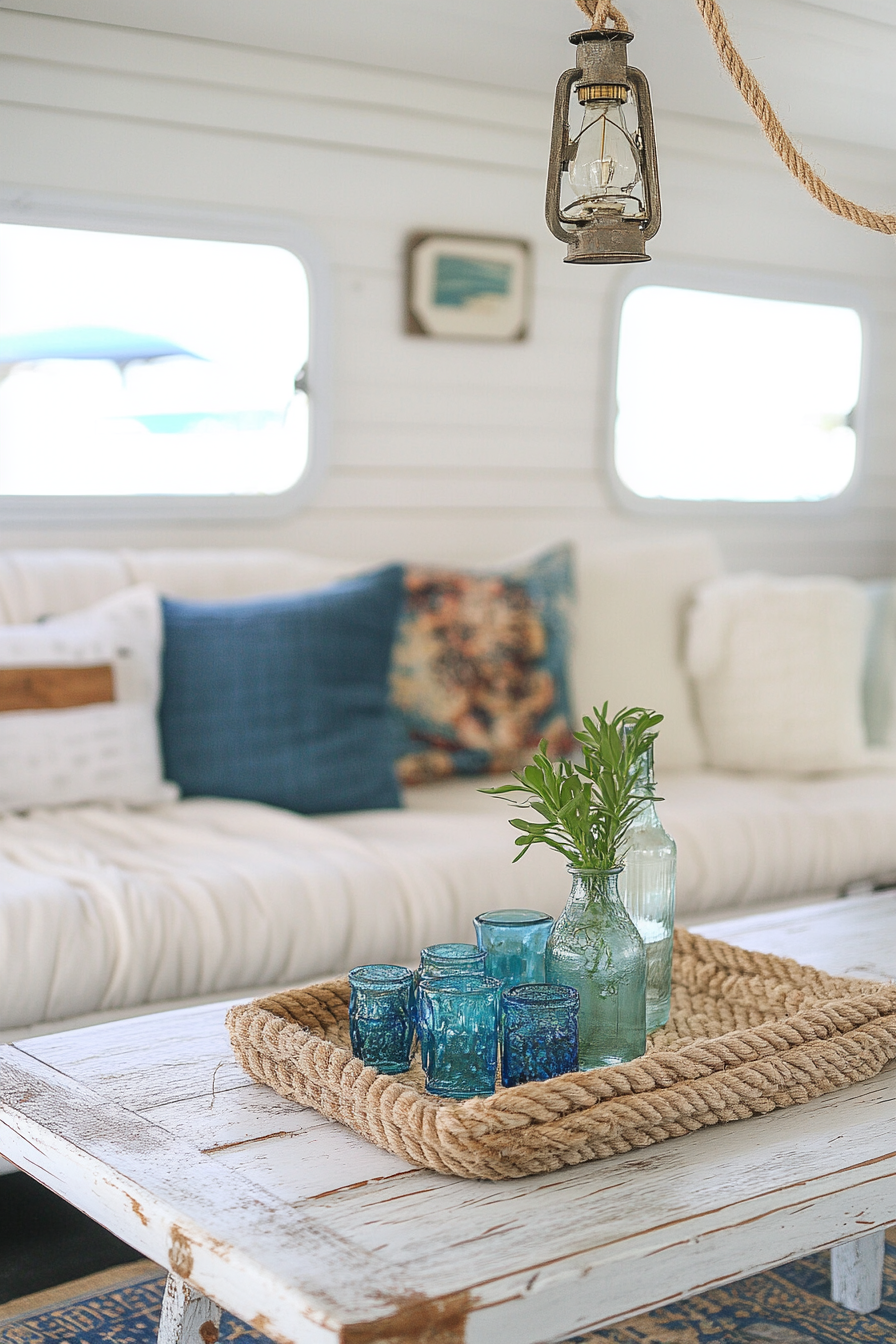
(301,1228)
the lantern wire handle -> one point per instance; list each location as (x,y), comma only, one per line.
(602,11)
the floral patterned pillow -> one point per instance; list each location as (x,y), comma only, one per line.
(479,667)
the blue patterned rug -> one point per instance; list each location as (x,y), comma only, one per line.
(789,1305)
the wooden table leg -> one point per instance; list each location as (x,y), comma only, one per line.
(187,1316)
(857,1272)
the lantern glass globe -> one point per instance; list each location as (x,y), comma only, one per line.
(605,169)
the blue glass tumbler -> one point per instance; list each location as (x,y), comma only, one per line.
(380,1016)
(514,942)
(539,1033)
(452,959)
(441,959)
(458,1030)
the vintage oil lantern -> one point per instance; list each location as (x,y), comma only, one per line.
(603,194)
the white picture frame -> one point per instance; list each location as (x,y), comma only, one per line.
(466,287)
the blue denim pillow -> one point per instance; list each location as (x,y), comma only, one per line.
(284,700)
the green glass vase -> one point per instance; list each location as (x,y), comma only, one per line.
(595,948)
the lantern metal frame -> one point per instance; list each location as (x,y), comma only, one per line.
(601,62)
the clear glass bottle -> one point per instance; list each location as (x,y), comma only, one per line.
(647,888)
(595,948)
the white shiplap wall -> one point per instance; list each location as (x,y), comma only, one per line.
(439,449)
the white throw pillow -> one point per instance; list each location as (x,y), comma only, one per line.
(78,700)
(778,666)
(629,634)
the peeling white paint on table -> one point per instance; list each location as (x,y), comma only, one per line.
(301,1228)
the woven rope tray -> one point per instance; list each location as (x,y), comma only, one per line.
(748,1033)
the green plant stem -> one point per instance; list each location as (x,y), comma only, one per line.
(586,808)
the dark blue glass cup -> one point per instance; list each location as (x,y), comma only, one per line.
(539,1033)
(380,1016)
(457,1025)
(514,942)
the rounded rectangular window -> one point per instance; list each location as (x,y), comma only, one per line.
(725,397)
(148,366)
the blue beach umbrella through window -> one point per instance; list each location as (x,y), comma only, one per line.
(112,343)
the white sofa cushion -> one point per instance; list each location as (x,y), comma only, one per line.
(743,839)
(629,641)
(217,575)
(102,667)
(102,908)
(35,584)
(778,665)
(880,665)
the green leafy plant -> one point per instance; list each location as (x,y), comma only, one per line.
(587,807)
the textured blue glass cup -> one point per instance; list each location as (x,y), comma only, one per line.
(539,1033)
(458,1030)
(441,959)
(380,1016)
(452,959)
(514,942)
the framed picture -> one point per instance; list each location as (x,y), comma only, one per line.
(463,287)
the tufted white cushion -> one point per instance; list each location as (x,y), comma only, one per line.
(778,666)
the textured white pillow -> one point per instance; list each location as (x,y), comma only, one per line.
(95,752)
(778,666)
(629,638)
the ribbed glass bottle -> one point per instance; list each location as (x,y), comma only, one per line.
(595,948)
(647,889)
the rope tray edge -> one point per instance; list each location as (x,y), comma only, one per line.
(832,1032)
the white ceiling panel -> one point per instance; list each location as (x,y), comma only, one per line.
(828,67)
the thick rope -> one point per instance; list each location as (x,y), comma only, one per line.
(749,1033)
(599,11)
(750,90)
(748,86)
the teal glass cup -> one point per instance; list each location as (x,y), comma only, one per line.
(457,1026)
(514,942)
(539,1033)
(452,959)
(380,1016)
(441,959)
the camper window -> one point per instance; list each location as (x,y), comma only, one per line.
(137,366)
(730,397)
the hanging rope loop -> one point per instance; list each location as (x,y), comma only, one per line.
(600,12)
(604,12)
(749,88)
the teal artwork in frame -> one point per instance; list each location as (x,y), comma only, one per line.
(465,287)
(464,280)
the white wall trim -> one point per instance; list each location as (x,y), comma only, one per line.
(25,205)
